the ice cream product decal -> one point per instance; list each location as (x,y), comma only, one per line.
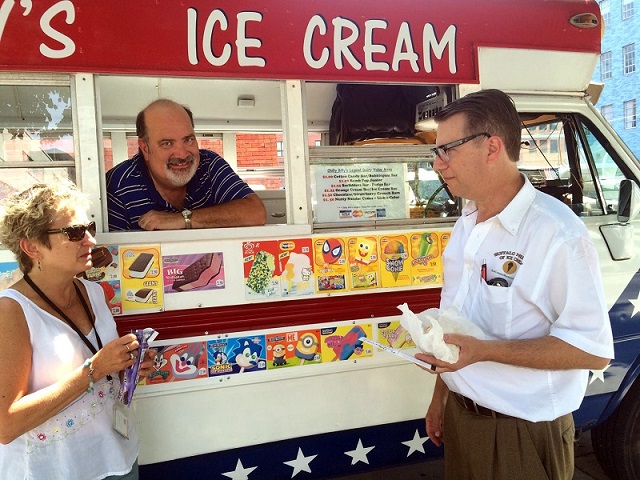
(395,271)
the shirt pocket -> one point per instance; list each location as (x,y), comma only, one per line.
(494,309)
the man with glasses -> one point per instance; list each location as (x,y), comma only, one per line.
(521,266)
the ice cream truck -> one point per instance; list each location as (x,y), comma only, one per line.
(262,371)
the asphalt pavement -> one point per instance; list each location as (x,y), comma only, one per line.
(587,467)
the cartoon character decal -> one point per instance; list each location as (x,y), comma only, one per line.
(177,362)
(159,363)
(185,363)
(219,357)
(345,346)
(365,250)
(279,355)
(307,347)
(332,250)
(246,354)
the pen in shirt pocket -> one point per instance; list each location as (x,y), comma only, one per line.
(483,270)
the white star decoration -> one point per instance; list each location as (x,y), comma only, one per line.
(636,305)
(416,444)
(240,473)
(359,454)
(598,374)
(301,463)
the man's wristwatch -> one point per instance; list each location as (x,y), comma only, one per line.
(186,213)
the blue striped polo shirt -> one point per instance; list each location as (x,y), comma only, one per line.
(131,192)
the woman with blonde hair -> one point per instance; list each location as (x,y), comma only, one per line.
(59,348)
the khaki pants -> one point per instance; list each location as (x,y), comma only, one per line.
(479,447)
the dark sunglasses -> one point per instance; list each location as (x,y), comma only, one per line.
(75,233)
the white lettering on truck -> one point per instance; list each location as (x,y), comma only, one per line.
(65,6)
(448,39)
(346,33)
(242,42)
(370,48)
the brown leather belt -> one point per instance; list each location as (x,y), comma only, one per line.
(473,407)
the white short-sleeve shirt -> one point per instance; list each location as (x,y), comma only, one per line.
(542,251)
(79,441)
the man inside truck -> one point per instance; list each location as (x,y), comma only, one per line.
(521,266)
(171,184)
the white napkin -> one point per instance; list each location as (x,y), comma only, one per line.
(428,327)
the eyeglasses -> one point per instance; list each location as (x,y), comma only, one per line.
(75,233)
(442,150)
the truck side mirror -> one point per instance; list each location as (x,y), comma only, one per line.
(628,201)
(619,236)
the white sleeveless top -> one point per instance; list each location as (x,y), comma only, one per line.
(79,442)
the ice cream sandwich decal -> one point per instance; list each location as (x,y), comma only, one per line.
(141,279)
(141,265)
(193,272)
(143,295)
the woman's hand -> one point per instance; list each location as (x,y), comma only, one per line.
(115,356)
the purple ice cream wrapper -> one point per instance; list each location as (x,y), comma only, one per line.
(130,379)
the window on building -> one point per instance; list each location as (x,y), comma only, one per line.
(630,114)
(604,11)
(607,113)
(629,58)
(605,66)
(627,9)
